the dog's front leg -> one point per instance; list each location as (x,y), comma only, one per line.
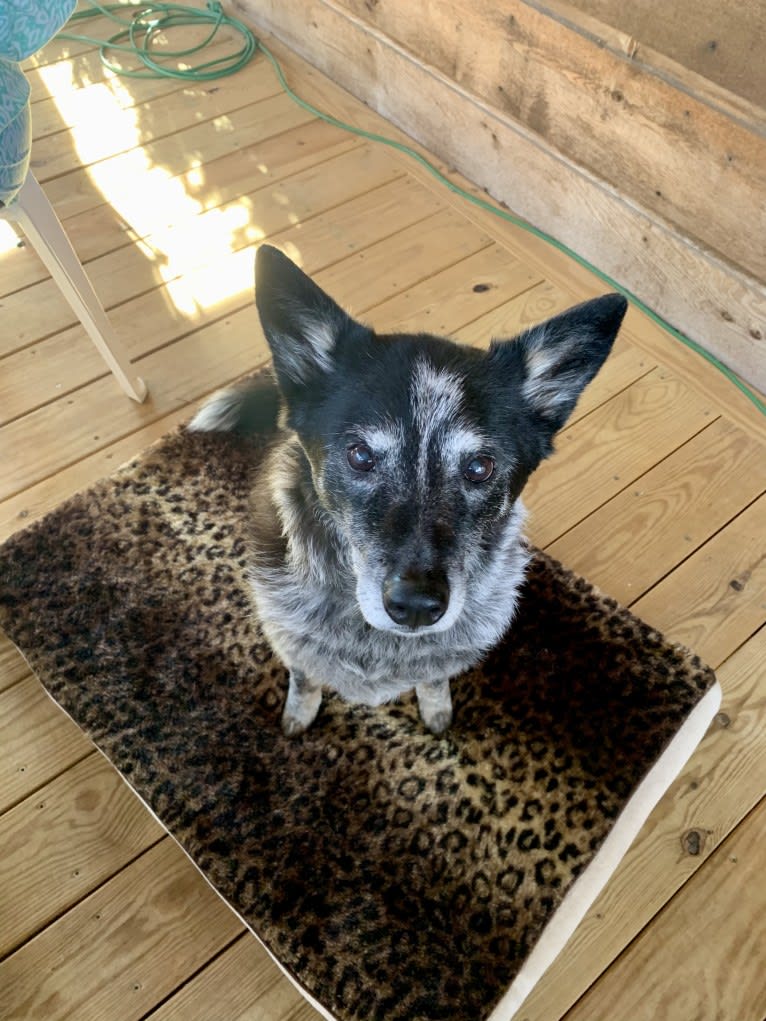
(435,701)
(304,697)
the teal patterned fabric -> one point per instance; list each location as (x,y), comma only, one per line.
(25,26)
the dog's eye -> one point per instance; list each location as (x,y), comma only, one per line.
(479,468)
(360,457)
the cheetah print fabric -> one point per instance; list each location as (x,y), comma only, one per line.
(394,874)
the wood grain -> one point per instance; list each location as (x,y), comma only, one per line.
(184,372)
(149,106)
(609,448)
(453,297)
(715,600)
(162,160)
(720,785)
(202,242)
(92,140)
(380,271)
(64,841)
(722,978)
(667,514)
(37,740)
(122,949)
(711,42)
(640,133)
(720,303)
(80,966)
(34,502)
(243,984)
(12,664)
(103,229)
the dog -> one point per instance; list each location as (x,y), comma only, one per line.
(387,548)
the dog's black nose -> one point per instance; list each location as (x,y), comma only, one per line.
(415,600)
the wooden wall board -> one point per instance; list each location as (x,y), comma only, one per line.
(720,305)
(722,43)
(639,133)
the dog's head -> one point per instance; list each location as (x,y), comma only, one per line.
(419,447)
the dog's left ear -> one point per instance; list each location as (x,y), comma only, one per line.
(557,359)
(302,324)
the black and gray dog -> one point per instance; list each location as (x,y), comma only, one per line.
(388,551)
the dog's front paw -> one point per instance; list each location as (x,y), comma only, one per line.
(435,704)
(292,726)
(439,723)
(302,705)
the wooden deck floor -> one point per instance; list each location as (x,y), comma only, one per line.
(656,494)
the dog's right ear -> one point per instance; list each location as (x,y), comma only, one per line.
(302,324)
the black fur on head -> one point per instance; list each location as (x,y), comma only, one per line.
(533,380)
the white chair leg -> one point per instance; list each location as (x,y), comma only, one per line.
(37,218)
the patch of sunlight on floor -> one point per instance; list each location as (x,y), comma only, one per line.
(195,251)
(9,239)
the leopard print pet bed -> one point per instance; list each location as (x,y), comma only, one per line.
(392,874)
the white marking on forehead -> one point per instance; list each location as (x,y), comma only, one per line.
(437,397)
(437,404)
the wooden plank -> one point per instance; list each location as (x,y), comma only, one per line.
(122,949)
(381,270)
(642,135)
(36,501)
(96,415)
(37,741)
(721,305)
(715,600)
(221,350)
(158,163)
(723,781)
(684,301)
(721,911)
(103,130)
(243,984)
(13,667)
(707,38)
(70,75)
(457,295)
(649,528)
(63,842)
(102,229)
(176,250)
(63,100)
(513,317)
(608,449)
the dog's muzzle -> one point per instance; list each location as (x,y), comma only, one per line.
(415,599)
